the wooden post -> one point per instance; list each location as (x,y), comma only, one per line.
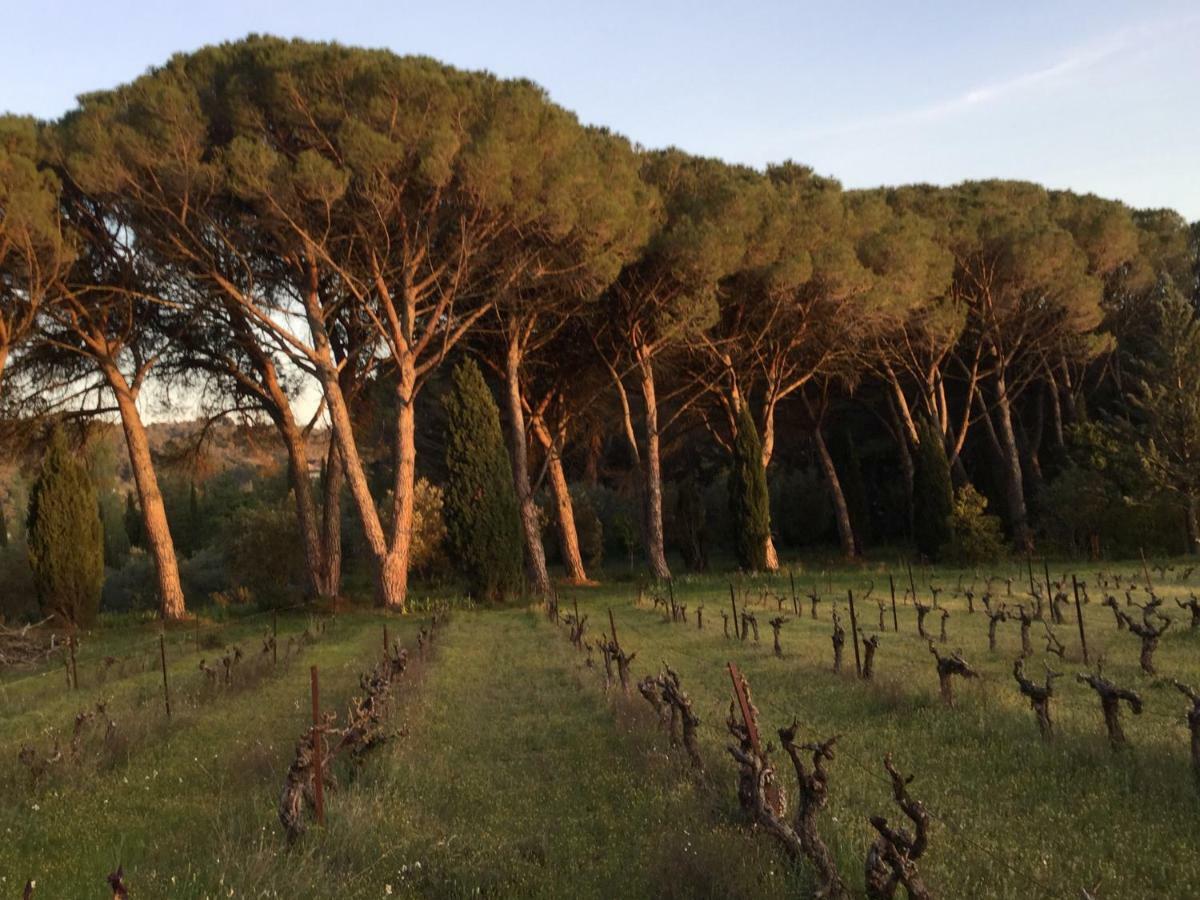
(162,656)
(912,585)
(577,609)
(1079,618)
(385,641)
(1029,565)
(744,704)
(274,638)
(1049,589)
(612,623)
(854,631)
(733,602)
(895,621)
(318,784)
(671,591)
(197,635)
(795,600)
(67,667)
(1146,570)
(74,670)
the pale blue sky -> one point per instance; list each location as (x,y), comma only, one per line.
(1098,96)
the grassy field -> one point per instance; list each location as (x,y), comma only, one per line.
(514,773)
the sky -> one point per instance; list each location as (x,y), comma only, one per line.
(1096,96)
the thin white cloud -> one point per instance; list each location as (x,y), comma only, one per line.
(1075,61)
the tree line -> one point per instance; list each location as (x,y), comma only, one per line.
(263,215)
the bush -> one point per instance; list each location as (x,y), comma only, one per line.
(18,593)
(976,537)
(265,554)
(428,552)
(482,518)
(133,586)
(749,501)
(933,494)
(66,538)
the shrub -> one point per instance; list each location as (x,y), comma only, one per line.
(428,552)
(133,586)
(933,494)
(482,519)
(66,538)
(264,553)
(749,502)
(975,536)
(18,594)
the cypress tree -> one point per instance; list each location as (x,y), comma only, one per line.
(749,500)
(482,518)
(66,537)
(933,494)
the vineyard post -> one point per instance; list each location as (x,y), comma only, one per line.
(1146,570)
(67,668)
(274,637)
(577,611)
(385,640)
(733,602)
(162,657)
(912,585)
(671,590)
(854,631)
(74,670)
(892,585)
(318,786)
(1029,566)
(1049,590)
(795,602)
(744,704)
(197,634)
(612,624)
(1079,618)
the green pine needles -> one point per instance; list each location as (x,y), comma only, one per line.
(482,518)
(66,537)
(749,500)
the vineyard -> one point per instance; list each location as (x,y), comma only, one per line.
(598,746)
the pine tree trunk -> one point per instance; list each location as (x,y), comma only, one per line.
(841,511)
(564,507)
(1011,461)
(535,553)
(390,562)
(306,511)
(393,581)
(157,532)
(652,474)
(331,524)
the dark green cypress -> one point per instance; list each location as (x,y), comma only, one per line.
(66,537)
(749,500)
(482,518)
(933,494)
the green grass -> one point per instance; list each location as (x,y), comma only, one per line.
(515,774)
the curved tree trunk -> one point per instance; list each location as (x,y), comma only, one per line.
(841,511)
(331,524)
(652,473)
(306,510)
(1014,485)
(154,514)
(535,553)
(564,507)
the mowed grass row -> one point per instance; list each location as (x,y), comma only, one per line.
(1013,817)
(184,811)
(513,780)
